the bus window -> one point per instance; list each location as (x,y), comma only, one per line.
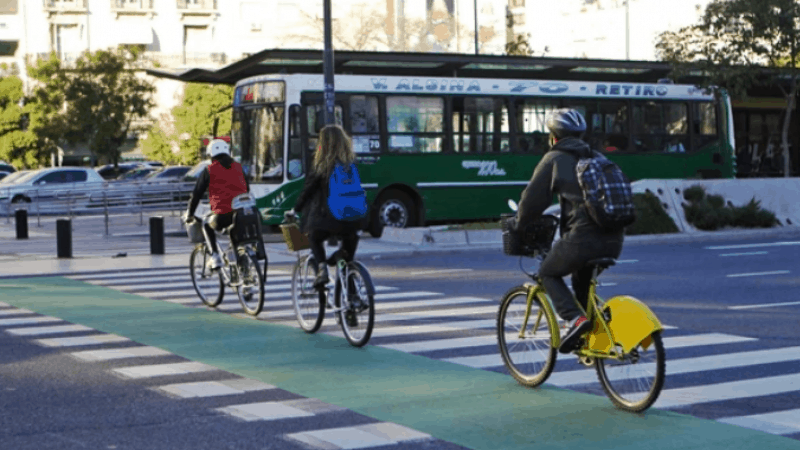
(415,124)
(364,126)
(660,127)
(532,132)
(606,123)
(315,118)
(480,125)
(295,167)
(705,124)
(257,139)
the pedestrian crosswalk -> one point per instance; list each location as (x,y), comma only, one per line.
(455,329)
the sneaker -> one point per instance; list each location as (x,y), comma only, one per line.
(215,262)
(322,277)
(571,340)
(351,318)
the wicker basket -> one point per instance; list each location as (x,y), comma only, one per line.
(194,230)
(295,239)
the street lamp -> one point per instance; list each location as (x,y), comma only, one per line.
(627,30)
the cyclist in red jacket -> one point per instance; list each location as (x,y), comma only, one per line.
(224,179)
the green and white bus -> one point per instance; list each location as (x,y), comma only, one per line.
(454,149)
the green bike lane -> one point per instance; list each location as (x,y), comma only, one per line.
(474,408)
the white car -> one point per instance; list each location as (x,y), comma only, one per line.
(52,189)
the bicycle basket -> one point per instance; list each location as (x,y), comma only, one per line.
(534,238)
(295,239)
(195,232)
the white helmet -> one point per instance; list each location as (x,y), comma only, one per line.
(218,147)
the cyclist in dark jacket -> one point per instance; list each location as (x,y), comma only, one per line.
(581,238)
(316,218)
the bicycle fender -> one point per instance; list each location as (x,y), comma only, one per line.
(366,276)
(631,321)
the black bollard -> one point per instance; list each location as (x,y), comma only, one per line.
(64,238)
(21,217)
(157,235)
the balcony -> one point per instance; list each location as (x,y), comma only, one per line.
(52,7)
(189,59)
(132,7)
(197,7)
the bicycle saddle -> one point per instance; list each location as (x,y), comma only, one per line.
(603,263)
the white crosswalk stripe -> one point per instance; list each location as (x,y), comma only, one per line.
(460,329)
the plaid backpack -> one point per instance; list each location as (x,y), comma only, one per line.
(607,192)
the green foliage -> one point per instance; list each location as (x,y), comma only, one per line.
(102,95)
(709,212)
(157,146)
(17,141)
(650,216)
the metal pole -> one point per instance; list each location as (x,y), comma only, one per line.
(477,51)
(627,30)
(328,67)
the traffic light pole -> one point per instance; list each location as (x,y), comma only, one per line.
(328,67)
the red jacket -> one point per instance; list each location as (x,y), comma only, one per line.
(225,184)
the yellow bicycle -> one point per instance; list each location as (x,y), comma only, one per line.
(624,345)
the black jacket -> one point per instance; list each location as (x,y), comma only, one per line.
(555,174)
(312,204)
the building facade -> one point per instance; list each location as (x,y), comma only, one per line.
(213,33)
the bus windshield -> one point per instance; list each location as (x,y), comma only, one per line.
(257,139)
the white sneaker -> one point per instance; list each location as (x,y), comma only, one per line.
(215,262)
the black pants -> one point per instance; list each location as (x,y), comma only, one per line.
(317,240)
(216,222)
(570,258)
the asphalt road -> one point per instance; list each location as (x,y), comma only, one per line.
(732,356)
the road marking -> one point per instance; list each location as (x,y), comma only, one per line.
(144,273)
(33,331)
(755,274)
(13,312)
(118,353)
(214,388)
(755,387)
(744,254)
(191,294)
(691,365)
(83,340)
(27,320)
(385,306)
(764,305)
(264,411)
(161,280)
(494,360)
(362,436)
(627,261)
(769,244)
(4,304)
(157,370)
(430,272)
(779,422)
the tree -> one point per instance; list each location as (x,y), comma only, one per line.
(739,44)
(104,100)
(17,141)
(193,120)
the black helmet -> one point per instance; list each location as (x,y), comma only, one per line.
(566,122)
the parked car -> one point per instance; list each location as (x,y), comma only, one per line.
(136,174)
(4,174)
(109,172)
(16,177)
(5,167)
(167,174)
(193,173)
(45,186)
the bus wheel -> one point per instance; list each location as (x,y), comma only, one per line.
(394,209)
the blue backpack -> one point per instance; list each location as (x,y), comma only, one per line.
(346,198)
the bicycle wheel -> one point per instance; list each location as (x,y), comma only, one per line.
(634,383)
(309,303)
(209,285)
(251,288)
(358,319)
(528,354)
